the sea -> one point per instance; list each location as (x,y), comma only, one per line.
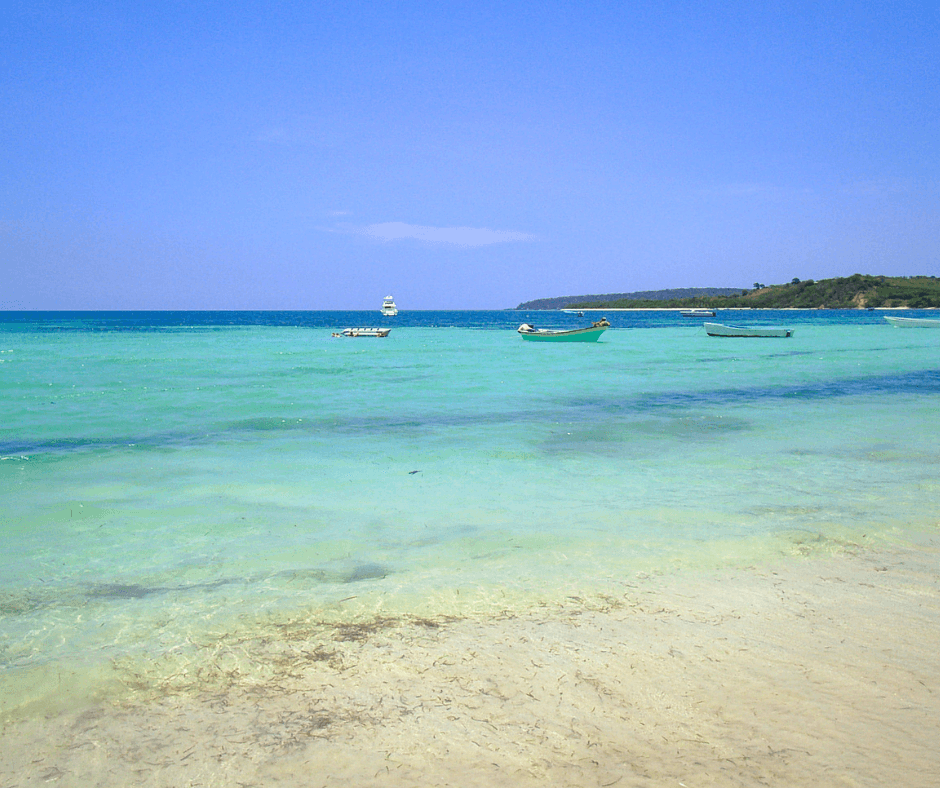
(170,481)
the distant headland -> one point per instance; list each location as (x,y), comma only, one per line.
(858,291)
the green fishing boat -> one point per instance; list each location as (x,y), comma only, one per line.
(589,334)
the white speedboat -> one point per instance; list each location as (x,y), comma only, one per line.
(912,322)
(388,307)
(697,312)
(718,330)
(590,334)
(362,332)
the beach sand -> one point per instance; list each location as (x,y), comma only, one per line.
(822,672)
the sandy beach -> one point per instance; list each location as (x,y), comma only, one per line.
(822,672)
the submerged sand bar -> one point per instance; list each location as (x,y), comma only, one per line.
(822,672)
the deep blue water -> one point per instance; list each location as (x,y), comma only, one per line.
(490,319)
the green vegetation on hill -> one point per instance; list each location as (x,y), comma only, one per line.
(851,292)
(563,302)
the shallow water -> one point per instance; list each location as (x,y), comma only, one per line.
(170,478)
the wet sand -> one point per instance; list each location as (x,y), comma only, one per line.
(823,672)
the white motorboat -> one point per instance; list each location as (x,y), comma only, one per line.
(719,330)
(697,312)
(362,332)
(388,307)
(912,322)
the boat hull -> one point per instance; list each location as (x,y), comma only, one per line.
(719,330)
(912,322)
(363,332)
(578,335)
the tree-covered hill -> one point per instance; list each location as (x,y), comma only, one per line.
(563,302)
(851,292)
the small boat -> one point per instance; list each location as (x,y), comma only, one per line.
(912,322)
(362,332)
(577,312)
(388,307)
(589,334)
(697,312)
(718,330)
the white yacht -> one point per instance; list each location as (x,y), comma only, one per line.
(388,307)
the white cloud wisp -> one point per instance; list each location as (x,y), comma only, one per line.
(457,236)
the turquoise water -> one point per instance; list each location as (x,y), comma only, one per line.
(169,478)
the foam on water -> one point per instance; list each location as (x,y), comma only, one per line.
(167,490)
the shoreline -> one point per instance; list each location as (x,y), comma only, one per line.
(821,671)
(727,309)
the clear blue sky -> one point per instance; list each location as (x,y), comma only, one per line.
(318,155)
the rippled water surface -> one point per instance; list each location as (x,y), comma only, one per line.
(166,476)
